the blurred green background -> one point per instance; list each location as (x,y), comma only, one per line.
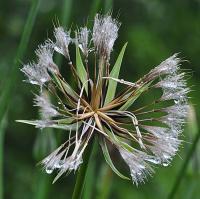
(154,29)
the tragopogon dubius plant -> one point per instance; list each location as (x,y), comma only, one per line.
(143,136)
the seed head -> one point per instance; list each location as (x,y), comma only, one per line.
(63,40)
(105,32)
(144,136)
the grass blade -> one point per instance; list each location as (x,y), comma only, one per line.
(105,183)
(108,5)
(81,69)
(94,7)
(137,94)
(6,96)
(2,134)
(80,180)
(90,175)
(114,73)
(109,161)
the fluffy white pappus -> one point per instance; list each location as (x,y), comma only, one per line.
(83,36)
(47,109)
(174,82)
(36,74)
(156,131)
(72,163)
(169,66)
(105,32)
(174,122)
(163,144)
(139,168)
(58,160)
(45,56)
(69,164)
(178,96)
(177,110)
(53,161)
(63,40)
(164,147)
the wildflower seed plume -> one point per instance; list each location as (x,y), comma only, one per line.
(144,135)
(105,32)
(63,40)
(83,37)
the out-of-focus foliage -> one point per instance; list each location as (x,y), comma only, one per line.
(154,30)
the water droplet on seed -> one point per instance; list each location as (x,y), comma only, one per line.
(165,164)
(49,170)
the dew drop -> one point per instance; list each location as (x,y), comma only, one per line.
(59,164)
(154,160)
(165,164)
(176,101)
(166,156)
(141,166)
(49,170)
(139,173)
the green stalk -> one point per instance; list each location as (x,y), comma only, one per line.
(105,182)
(94,8)
(2,133)
(184,167)
(66,12)
(108,5)
(9,89)
(80,180)
(89,186)
(10,84)
(42,187)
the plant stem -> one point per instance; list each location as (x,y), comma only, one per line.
(90,175)
(42,187)
(108,5)
(105,182)
(2,133)
(94,7)
(11,82)
(80,180)
(184,167)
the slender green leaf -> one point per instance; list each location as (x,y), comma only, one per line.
(105,182)
(89,187)
(81,69)
(57,124)
(94,8)
(80,180)
(64,86)
(42,186)
(112,85)
(118,141)
(11,82)
(135,96)
(3,125)
(108,159)
(108,5)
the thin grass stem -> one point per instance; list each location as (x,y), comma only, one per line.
(108,5)
(2,133)
(184,167)
(105,182)
(80,180)
(11,82)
